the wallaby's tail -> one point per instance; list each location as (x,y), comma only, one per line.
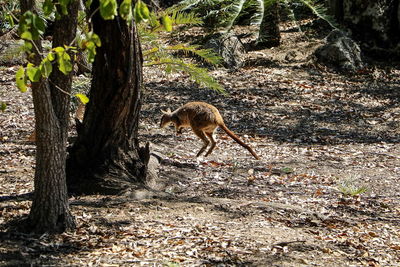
(240,142)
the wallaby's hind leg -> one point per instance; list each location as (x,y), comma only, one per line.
(213,143)
(203,137)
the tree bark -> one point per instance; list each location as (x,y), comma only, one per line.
(375,23)
(270,35)
(106,157)
(50,210)
(335,8)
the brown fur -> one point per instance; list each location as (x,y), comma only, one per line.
(203,118)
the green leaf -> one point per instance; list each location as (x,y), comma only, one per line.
(59,49)
(10,20)
(64,62)
(91,49)
(38,24)
(137,14)
(27,36)
(3,106)
(144,10)
(95,39)
(46,67)
(48,7)
(31,23)
(125,10)
(50,56)
(20,79)
(34,73)
(167,23)
(83,98)
(108,9)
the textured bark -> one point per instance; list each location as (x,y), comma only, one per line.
(270,35)
(336,9)
(375,23)
(106,157)
(50,210)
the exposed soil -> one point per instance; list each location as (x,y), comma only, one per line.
(320,134)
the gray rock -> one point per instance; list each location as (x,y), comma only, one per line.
(230,48)
(340,51)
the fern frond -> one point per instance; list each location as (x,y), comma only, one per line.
(207,55)
(184,18)
(155,52)
(258,15)
(320,11)
(189,4)
(198,75)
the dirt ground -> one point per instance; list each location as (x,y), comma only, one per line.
(321,135)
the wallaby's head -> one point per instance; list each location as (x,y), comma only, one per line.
(166,118)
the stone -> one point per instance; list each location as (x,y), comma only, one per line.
(230,48)
(340,51)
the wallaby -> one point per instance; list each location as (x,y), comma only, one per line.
(203,118)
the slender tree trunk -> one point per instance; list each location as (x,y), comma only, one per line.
(270,35)
(50,210)
(106,157)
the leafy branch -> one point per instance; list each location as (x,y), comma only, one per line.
(32,27)
(157,53)
(197,74)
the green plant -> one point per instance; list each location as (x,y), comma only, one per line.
(3,106)
(150,24)
(350,187)
(173,58)
(172,264)
(226,13)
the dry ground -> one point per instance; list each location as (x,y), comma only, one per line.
(319,134)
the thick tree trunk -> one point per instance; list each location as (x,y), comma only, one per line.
(106,157)
(375,23)
(50,210)
(270,35)
(335,8)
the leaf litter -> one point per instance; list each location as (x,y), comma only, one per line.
(313,128)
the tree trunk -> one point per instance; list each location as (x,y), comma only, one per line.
(270,35)
(50,210)
(335,8)
(375,23)
(106,157)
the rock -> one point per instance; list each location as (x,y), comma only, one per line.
(230,48)
(340,51)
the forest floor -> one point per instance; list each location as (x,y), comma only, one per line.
(324,138)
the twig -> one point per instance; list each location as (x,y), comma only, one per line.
(284,244)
